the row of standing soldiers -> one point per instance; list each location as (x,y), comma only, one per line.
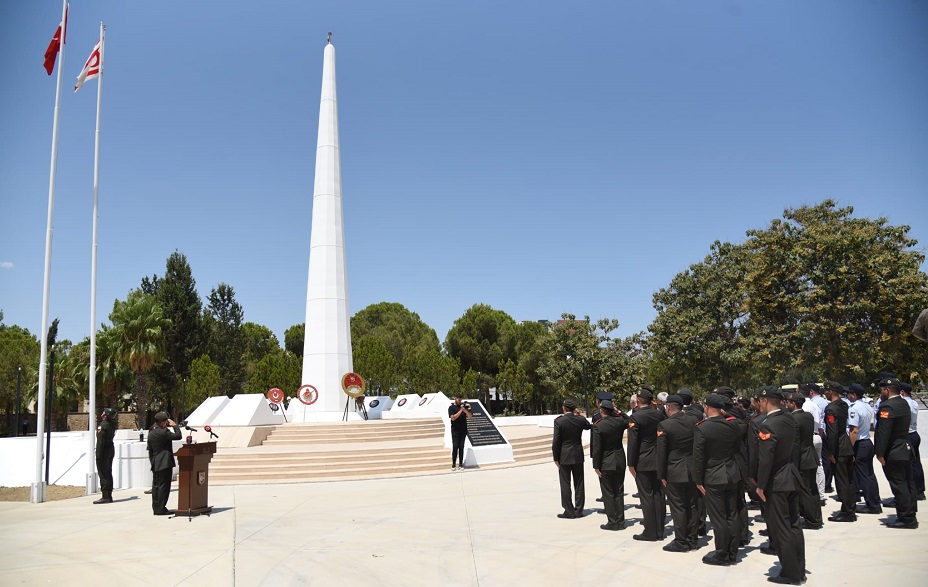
(702,459)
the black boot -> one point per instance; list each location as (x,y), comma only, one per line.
(107,498)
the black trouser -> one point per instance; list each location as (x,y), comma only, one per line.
(863,473)
(681,497)
(826,465)
(899,475)
(722,507)
(786,533)
(160,489)
(105,470)
(653,505)
(810,503)
(612,485)
(918,473)
(744,524)
(700,513)
(565,472)
(847,494)
(457,446)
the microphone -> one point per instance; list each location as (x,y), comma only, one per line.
(184,424)
(211,433)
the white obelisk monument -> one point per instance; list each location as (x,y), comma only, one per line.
(327,345)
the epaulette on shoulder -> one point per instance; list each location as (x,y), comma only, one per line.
(701,421)
(730,418)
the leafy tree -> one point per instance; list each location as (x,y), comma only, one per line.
(282,370)
(624,362)
(481,340)
(816,294)
(576,357)
(697,338)
(293,339)
(227,338)
(402,332)
(375,364)
(531,344)
(429,371)
(138,331)
(834,294)
(186,337)
(114,377)
(514,382)
(203,382)
(19,353)
(259,341)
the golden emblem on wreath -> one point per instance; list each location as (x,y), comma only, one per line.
(353,384)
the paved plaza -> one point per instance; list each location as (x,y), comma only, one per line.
(493,527)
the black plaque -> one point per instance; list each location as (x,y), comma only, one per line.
(480,428)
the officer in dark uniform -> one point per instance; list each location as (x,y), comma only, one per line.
(696,413)
(733,408)
(161,450)
(778,485)
(600,398)
(805,460)
(105,452)
(674,468)
(892,450)
(567,448)
(716,476)
(840,453)
(609,462)
(642,463)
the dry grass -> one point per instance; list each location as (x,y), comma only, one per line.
(52,493)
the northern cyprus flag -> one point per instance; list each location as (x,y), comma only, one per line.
(92,67)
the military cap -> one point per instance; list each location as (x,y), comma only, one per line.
(161,417)
(857,389)
(607,405)
(795,397)
(771,393)
(604,395)
(724,390)
(674,399)
(111,413)
(814,387)
(685,391)
(646,392)
(905,387)
(891,382)
(714,400)
(570,404)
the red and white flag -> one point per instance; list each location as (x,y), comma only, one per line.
(92,67)
(51,54)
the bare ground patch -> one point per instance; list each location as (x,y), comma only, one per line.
(52,493)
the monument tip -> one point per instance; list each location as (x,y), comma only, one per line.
(330,39)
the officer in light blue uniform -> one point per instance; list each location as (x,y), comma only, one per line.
(859,419)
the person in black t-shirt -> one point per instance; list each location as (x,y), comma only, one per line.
(458,413)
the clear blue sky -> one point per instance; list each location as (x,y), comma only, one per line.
(540,157)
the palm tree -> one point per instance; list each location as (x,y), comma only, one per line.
(114,377)
(138,330)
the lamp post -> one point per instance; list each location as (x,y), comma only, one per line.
(19,378)
(183,407)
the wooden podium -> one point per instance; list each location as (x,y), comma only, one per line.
(193,482)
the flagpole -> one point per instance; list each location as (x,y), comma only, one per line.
(37,494)
(91,469)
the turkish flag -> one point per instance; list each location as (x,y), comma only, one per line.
(51,54)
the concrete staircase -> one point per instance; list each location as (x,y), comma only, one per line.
(300,453)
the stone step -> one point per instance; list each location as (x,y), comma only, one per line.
(319,438)
(325,460)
